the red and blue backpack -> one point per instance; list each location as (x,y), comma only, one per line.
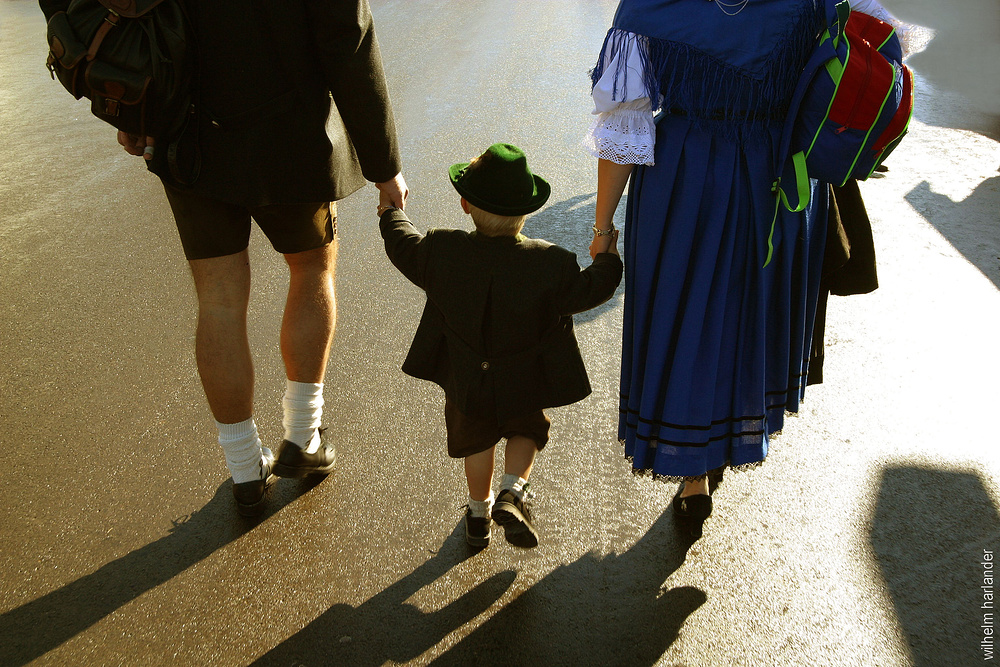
(851,106)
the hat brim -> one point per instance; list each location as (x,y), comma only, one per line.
(542,191)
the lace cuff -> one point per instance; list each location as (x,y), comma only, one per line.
(623,136)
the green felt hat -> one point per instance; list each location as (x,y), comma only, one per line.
(499,182)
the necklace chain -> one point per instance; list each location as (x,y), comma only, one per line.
(739,6)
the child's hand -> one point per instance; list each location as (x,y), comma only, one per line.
(613,246)
(605,243)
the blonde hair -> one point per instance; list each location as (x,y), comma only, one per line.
(492,224)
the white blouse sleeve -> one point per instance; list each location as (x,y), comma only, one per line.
(623,130)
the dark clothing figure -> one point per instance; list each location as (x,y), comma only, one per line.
(497,331)
(291,114)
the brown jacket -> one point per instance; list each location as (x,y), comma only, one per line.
(497,331)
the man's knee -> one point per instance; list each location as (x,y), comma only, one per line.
(317,260)
(222,282)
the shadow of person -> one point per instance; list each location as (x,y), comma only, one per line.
(969,225)
(929,531)
(37,627)
(609,610)
(567,223)
(386,628)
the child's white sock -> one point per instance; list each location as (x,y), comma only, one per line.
(303,405)
(513,483)
(481,507)
(244,455)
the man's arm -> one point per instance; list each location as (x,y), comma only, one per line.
(345,44)
(393,192)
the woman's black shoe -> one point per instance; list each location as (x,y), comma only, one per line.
(715,479)
(691,511)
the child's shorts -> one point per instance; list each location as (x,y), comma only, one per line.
(471,435)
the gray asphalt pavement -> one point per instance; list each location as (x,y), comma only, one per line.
(859,542)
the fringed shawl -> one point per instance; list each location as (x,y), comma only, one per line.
(701,62)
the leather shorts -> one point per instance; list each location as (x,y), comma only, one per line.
(214,228)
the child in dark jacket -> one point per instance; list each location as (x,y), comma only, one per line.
(497,330)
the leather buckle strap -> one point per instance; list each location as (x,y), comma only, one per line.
(110,21)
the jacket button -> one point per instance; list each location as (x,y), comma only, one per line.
(485,366)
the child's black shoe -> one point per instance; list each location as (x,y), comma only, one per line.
(512,513)
(477,529)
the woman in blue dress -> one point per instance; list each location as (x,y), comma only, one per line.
(720,283)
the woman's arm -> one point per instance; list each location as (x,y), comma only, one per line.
(611,180)
(623,134)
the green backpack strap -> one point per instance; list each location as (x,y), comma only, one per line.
(792,185)
(801,176)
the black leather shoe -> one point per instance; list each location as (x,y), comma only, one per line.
(251,496)
(715,479)
(293,461)
(477,529)
(512,513)
(691,511)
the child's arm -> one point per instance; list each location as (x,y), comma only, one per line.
(405,246)
(583,290)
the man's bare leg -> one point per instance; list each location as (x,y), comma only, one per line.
(221,344)
(310,313)
(306,334)
(222,350)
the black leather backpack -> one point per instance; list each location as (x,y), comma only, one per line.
(134,60)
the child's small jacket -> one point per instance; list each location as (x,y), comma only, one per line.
(497,330)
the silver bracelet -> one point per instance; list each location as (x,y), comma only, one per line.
(600,232)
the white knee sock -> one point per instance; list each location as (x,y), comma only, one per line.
(244,455)
(514,483)
(481,508)
(303,404)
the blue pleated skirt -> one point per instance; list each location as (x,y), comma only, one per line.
(715,344)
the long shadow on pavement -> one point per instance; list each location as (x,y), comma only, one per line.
(567,223)
(970,225)
(385,628)
(609,610)
(37,627)
(929,532)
